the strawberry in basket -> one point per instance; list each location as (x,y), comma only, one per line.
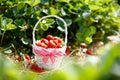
(50,42)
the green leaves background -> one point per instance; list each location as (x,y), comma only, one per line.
(88,21)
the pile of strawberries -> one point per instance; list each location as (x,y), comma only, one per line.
(50,42)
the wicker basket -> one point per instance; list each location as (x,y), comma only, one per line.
(49,58)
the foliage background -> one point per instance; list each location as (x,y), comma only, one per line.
(88,21)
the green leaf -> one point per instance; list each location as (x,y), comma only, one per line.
(92,29)
(63,11)
(20,6)
(87,1)
(79,36)
(6,21)
(54,11)
(60,23)
(9,3)
(33,3)
(25,41)
(82,28)
(29,11)
(20,22)
(61,29)
(65,1)
(88,40)
(44,1)
(95,19)
(44,26)
(86,32)
(68,21)
(94,7)
(50,21)
(81,22)
(10,26)
(23,28)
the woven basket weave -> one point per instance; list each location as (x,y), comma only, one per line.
(49,58)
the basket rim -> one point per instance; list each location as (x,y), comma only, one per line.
(50,16)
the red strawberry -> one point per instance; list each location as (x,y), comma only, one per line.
(44,41)
(59,45)
(67,50)
(18,58)
(58,39)
(89,52)
(55,41)
(41,44)
(27,57)
(38,43)
(83,45)
(51,44)
(49,37)
(36,68)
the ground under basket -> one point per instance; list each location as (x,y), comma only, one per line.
(49,58)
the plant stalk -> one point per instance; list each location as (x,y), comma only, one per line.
(2,38)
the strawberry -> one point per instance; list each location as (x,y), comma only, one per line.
(51,44)
(67,50)
(58,39)
(83,45)
(89,52)
(40,44)
(27,57)
(44,41)
(18,58)
(59,45)
(55,41)
(35,68)
(49,37)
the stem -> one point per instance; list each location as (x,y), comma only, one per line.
(2,38)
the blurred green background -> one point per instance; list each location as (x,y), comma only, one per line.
(88,21)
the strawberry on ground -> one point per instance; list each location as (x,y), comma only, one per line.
(18,58)
(27,57)
(35,68)
(67,50)
(89,52)
(83,45)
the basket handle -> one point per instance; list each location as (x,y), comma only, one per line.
(65,25)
